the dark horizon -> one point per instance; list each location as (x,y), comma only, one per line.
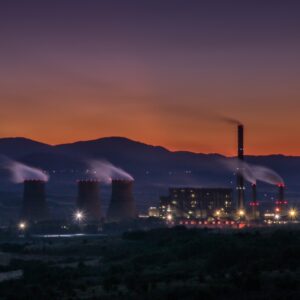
(142,142)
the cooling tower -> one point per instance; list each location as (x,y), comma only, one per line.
(88,201)
(122,205)
(240,179)
(34,206)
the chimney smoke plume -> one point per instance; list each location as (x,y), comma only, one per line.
(253,173)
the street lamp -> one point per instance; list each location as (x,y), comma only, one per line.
(293,213)
(218,213)
(241,213)
(169,217)
(79,216)
(22,226)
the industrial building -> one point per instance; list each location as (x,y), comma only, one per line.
(153,212)
(198,203)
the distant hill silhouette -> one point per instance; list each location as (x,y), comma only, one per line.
(19,146)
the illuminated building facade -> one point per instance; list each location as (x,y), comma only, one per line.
(153,212)
(198,203)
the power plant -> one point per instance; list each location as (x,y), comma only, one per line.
(187,205)
(88,200)
(34,206)
(184,205)
(122,204)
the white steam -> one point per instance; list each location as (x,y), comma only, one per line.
(105,171)
(267,175)
(253,173)
(20,172)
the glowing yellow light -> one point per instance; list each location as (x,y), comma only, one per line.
(169,217)
(292,213)
(218,213)
(22,225)
(242,213)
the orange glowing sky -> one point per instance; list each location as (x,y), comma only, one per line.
(157,73)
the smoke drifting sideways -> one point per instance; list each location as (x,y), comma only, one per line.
(105,172)
(253,173)
(229,120)
(21,172)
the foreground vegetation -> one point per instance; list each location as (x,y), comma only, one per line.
(161,264)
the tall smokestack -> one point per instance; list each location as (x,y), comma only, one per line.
(254,204)
(88,200)
(241,142)
(281,203)
(122,205)
(281,192)
(34,206)
(240,178)
(254,193)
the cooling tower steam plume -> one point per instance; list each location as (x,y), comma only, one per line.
(253,173)
(267,175)
(104,171)
(20,172)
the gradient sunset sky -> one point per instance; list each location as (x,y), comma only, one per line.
(162,72)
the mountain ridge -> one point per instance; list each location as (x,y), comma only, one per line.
(28,141)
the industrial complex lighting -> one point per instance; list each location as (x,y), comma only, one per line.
(293,213)
(79,216)
(277,217)
(22,225)
(169,217)
(218,213)
(241,213)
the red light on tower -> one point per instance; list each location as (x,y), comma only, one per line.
(254,204)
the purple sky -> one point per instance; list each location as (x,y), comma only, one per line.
(157,71)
